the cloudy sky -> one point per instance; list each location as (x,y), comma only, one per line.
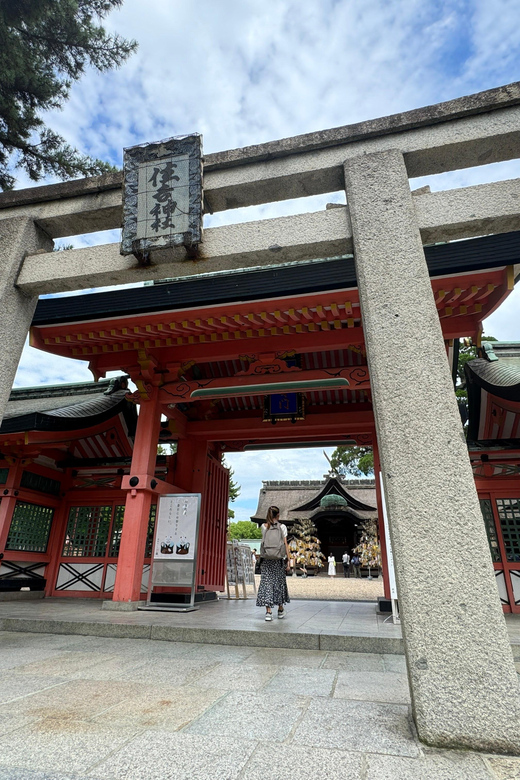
(244,72)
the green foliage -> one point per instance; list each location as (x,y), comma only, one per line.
(466,353)
(244,529)
(45,45)
(167,448)
(234,492)
(353,461)
(359,461)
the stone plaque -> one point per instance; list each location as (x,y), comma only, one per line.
(162,196)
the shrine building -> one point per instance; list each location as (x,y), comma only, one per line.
(318,329)
(337,507)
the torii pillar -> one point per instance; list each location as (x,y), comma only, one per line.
(462,678)
(19,236)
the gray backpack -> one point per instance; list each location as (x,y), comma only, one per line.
(272,547)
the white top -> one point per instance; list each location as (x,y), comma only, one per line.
(282,526)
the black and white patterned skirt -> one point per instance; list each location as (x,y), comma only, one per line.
(273,584)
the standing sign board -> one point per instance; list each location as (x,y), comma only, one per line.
(389,557)
(239,566)
(174,557)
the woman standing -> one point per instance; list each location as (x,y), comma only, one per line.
(332,565)
(273,584)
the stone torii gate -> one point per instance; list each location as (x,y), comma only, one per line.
(462,678)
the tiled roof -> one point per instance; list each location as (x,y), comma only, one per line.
(47,408)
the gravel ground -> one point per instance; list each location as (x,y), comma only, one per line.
(337,588)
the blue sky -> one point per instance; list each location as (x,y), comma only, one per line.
(244,72)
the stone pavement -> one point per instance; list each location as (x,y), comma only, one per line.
(112,709)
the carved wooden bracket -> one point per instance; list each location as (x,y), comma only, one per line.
(267,363)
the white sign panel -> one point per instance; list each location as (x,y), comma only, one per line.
(176,533)
(163,200)
(389,553)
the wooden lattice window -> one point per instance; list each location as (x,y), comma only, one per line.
(34,481)
(87,531)
(30,527)
(117,530)
(489,522)
(509,513)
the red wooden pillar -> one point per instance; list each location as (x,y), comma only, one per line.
(190,465)
(138,501)
(8,502)
(381,521)
(57,536)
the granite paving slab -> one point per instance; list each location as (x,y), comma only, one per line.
(266,716)
(159,755)
(12,657)
(52,745)
(232,677)
(64,664)
(454,766)
(303,682)
(117,668)
(395,663)
(161,707)
(504,768)
(389,687)
(75,699)
(136,648)
(358,662)
(10,722)
(305,659)
(170,672)
(13,687)
(217,653)
(360,726)
(289,762)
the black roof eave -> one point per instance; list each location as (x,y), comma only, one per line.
(39,421)
(264,283)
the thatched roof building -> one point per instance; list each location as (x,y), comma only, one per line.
(336,506)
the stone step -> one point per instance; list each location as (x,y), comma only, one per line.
(298,640)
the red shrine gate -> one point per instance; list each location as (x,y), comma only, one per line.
(204,355)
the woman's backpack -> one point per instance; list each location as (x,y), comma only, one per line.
(272,547)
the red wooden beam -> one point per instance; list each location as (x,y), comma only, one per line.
(180,391)
(315,425)
(212,352)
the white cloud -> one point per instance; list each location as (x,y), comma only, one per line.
(40,368)
(250,468)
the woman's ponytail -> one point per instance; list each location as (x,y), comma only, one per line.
(272,515)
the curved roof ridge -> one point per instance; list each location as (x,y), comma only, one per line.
(333,485)
(91,407)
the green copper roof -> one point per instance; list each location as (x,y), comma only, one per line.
(333,500)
